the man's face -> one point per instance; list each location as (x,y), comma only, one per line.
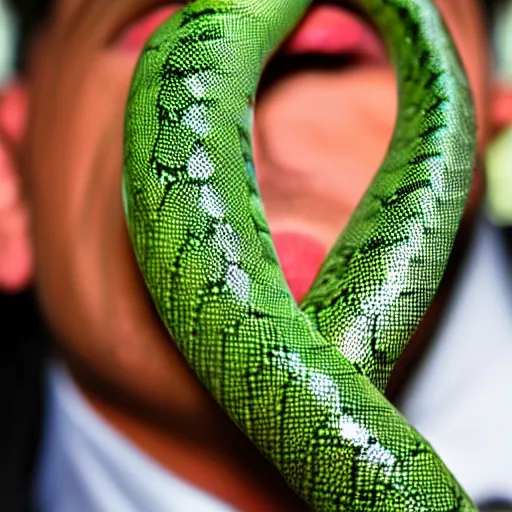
(320,136)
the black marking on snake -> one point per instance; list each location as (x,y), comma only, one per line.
(419,448)
(209,34)
(424,58)
(151,48)
(250,376)
(358,369)
(459,498)
(172,69)
(165,115)
(329,299)
(311,467)
(230,331)
(428,230)
(259,315)
(410,25)
(188,16)
(414,30)
(376,243)
(354,469)
(424,157)
(408,293)
(345,294)
(404,16)
(333,272)
(436,105)
(259,226)
(213,289)
(286,385)
(379,355)
(432,130)
(173,176)
(191,241)
(369,496)
(403,192)
(245,141)
(432,79)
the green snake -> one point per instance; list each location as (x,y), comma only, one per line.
(306,383)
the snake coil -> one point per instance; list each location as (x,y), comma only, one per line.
(305,384)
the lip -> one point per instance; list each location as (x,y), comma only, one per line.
(301,256)
(332,30)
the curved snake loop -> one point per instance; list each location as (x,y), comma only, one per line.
(304,384)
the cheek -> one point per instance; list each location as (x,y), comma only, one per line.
(77,118)
(77,114)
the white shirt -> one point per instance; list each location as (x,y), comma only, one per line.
(87,466)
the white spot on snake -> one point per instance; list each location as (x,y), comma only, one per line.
(196,119)
(323,387)
(211,202)
(354,341)
(328,392)
(199,164)
(437,180)
(229,242)
(199,83)
(428,206)
(238,281)
(374,452)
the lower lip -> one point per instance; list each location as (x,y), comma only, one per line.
(301,256)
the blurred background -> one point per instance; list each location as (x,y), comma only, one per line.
(8,40)
(21,351)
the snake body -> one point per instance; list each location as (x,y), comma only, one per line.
(305,384)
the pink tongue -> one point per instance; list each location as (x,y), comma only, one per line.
(329,29)
(301,257)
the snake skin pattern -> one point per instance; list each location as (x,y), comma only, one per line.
(305,384)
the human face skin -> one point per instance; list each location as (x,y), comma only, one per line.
(319,138)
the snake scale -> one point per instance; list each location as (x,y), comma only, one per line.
(306,383)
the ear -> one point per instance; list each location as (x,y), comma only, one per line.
(15,250)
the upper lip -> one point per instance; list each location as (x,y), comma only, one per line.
(329,28)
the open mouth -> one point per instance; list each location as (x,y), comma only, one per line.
(331,37)
(332,29)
